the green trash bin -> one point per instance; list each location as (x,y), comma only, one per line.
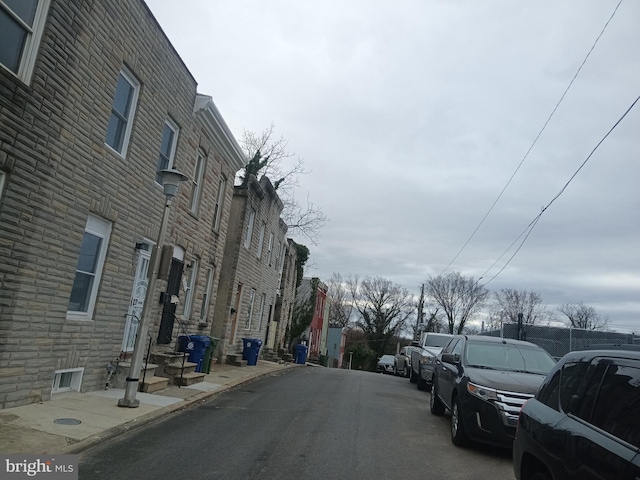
(208,355)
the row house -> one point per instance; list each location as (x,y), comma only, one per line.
(278,338)
(252,266)
(315,291)
(94,102)
(336,341)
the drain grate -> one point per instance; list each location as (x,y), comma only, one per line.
(67,421)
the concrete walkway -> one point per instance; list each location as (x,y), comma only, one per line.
(71,422)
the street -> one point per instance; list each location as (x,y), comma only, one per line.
(307,423)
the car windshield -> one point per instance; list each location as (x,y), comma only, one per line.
(505,356)
(386,358)
(435,340)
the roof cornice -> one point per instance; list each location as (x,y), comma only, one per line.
(216,128)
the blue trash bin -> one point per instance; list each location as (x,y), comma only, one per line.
(251,350)
(196,346)
(301,354)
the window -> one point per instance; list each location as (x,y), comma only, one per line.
(189,288)
(124,105)
(21,25)
(67,380)
(277,262)
(263,300)
(217,210)
(204,308)
(249,233)
(261,240)
(89,270)
(615,405)
(252,298)
(167,148)
(270,248)
(196,182)
(571,378)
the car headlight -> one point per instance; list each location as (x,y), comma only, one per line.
(426,360)
(481,392)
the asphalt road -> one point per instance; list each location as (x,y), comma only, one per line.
(303,423)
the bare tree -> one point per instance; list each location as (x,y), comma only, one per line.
(511,302)
(459,297)
(383,309)
(340,306)
(583,316)
(270,157)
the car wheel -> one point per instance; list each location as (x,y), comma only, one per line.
(405,372)
(435,404)
(395,370)
(412,376)
(458,433)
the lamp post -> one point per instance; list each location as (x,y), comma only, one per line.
(170,180)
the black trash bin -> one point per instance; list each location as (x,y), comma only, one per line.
(301,354)
(196,346)
(251,350)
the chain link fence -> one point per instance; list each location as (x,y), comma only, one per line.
(561,340)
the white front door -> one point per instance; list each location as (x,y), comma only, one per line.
(137,298)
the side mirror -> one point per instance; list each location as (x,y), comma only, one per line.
(451,358)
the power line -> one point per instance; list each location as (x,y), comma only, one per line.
(534,141)
(534,222)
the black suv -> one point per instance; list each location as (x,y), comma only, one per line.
(484,381)
(584,423)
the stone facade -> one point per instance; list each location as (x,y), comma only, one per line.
(280,327)
(60,179)
(252,266)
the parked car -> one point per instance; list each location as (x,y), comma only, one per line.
(483,382)
(584,422)
(402,360)
(385,364)
(423,358)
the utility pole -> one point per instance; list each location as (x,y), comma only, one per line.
(416,335)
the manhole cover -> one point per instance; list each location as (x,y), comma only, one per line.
(67,421)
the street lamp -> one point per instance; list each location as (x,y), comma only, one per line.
(170,181)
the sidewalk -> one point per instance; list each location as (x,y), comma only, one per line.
(52,426)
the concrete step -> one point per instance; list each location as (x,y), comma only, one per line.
(167,358)
(175,369)
(153,384)
(236,360)
(188,379)
(122,372)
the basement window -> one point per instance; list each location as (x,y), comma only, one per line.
(67,380)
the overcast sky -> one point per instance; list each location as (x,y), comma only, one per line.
(413,115)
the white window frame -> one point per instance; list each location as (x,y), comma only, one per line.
(263,227)
(32,40)
(171,155)
(263,301)
(217,212)
(206,295)
(100,228)
(270,247)
(252,299)
(249,233)
(196,181)
(74,384)
(189,289)
(135,84)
